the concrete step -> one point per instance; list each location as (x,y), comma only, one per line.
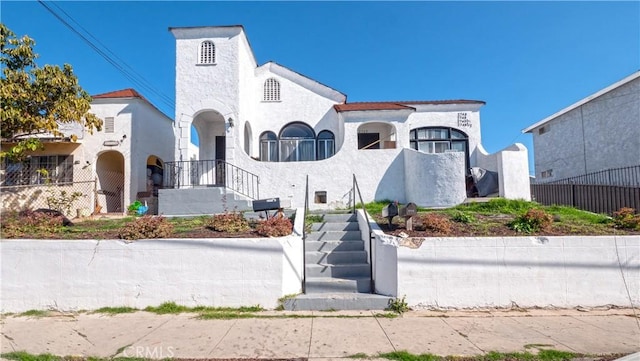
(337,285)
(334,236)
(336,257)
(338,301)
(338,270)
(348,217)
(334,226)
(328,246)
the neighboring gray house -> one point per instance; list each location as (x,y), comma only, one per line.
(601,131)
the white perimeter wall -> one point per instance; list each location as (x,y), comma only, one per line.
(89,274)
(498,272)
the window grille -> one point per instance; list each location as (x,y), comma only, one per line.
(44,169)
(271,90)
(207,52)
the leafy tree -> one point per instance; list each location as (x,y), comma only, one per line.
(35,100)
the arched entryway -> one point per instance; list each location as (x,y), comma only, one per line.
(155,174)
(110,185)
(211,128)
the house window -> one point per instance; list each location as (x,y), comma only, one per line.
(543,130)
(297,143)
(207,52)
(109,125)
(268,147)
(44,169)
(440,140)
(271,90)
(326,144)
(546,173)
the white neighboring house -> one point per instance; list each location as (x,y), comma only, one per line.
(281,126)
(601,131)
(112,167)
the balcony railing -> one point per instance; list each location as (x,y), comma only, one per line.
(211,173)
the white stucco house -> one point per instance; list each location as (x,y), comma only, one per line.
(601,131)
(264,129)
(111,168)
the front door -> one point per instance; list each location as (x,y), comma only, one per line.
(221,146)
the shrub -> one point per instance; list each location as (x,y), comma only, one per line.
(462,217)
(147,227)
(436,223)
(62,201)
(626,218)
(275,227)
(533,220)
(231,222)
(30,223)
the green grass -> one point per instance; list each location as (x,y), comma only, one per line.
(406,356)
(35,313)
(24,356)
(116,310)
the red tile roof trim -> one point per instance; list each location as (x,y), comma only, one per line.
(124,93)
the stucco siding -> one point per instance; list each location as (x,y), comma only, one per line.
(600,134)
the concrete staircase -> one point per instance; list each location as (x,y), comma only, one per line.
(338,276)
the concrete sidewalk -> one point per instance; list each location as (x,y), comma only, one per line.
(327,335)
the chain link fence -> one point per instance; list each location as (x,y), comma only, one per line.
(73,190)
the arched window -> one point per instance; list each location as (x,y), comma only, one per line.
(440,140)
(207,52)
(271,90)
(326,144)
(268,147)
(297,143)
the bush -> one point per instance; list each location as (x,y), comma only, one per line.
(147,227)
(232,222)
(436,223)
(462,217)
(30,223)
(533,220)
(626,218)
(275,227)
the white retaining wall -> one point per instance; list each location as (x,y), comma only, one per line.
(503,271)
(89,274)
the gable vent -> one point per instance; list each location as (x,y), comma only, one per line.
(108,125)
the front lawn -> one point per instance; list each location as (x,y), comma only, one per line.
(501,217)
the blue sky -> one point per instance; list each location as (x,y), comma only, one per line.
(527,60)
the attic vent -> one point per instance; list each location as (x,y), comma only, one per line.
(271,90)
(207,52)
(543,130)
(108,125)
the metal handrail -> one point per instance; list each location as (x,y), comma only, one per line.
(304,235)
(366,217)
(205,173)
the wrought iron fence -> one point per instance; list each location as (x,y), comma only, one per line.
(211,173)
(625,177)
